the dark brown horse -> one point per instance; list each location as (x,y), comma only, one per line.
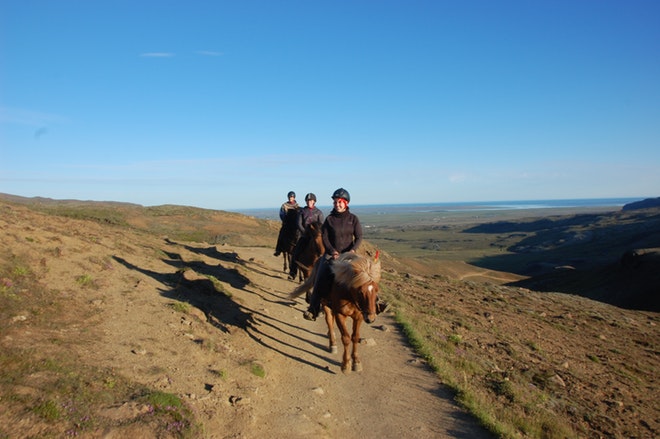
(353,295)
(311,249)
(288,236)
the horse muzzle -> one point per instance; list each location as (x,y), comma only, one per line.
(369,318)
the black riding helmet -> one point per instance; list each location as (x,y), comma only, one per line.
(291,194)
(310,196)
(342,193)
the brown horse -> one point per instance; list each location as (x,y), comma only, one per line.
(353,295)
(310,251)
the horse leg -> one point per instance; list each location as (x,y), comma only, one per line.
(329,320)
(357,365)
(286,257)
(346,340)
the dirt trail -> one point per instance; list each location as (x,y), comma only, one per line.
(305,392)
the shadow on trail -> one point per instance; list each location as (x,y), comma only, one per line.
(286,329)
(277,344)
(199,290)
(211,252)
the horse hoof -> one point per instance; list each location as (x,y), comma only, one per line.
(346,369)
(357,367)
(333,349)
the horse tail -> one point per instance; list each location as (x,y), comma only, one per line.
(305,286)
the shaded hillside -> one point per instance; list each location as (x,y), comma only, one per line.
(648,203)
(582,254)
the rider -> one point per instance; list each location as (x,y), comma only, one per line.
(308,215)
(284,210)
(342,233)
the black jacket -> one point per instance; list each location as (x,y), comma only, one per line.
(342,232)
(308,216)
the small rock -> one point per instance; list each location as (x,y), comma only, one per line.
(139,351)
(558,380)
(318,391)
(368,341)
(198,313)
(20,318)
(238,400)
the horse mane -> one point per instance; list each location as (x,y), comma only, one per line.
(350,269)
(353,270)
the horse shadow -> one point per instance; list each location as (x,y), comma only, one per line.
(211,252)
(197,289)
(279,345)
(193,282)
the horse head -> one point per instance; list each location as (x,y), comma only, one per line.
(367,295)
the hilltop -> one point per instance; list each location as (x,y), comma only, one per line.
(174,321)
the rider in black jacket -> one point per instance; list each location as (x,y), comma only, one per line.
(342,233)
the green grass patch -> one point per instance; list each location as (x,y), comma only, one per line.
(100,214)
(49,410)
(86,281)
(258,370)
(182,307)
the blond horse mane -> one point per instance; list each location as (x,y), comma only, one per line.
(353,270)
(350,269)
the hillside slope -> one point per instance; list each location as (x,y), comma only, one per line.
(110,330)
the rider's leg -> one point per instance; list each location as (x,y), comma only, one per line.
(322,286)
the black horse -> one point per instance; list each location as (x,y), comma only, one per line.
(308,249)
(288,237)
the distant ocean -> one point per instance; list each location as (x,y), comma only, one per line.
(473,208)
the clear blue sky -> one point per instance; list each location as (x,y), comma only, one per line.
(231,104)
